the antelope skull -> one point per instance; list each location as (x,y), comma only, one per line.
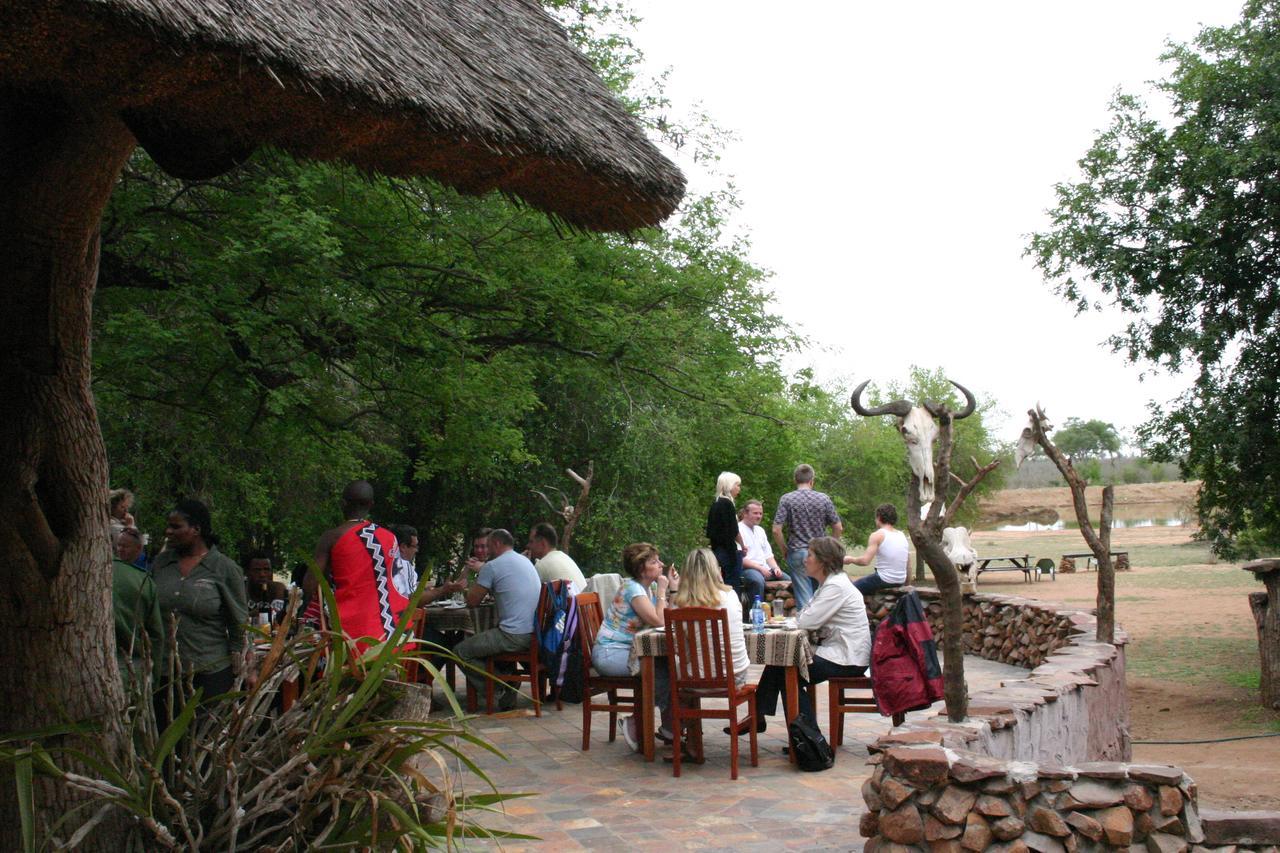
(919,429)
(1027,446)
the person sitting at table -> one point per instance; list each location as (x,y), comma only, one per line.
(552,563)
(632,608)
(701,586)
(887,547)
(262,588)
(514,584)
(839,615)
(479,554)
(405,575)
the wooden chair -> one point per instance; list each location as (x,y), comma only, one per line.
(413,669)
(530,657)
(590,615)
(840,702)
(701,666)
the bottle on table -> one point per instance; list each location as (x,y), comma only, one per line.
(757,616)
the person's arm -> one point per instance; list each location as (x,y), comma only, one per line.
(237,617)
(437,592)
(867,556)
(476,593)
(153,623)
(820,610)
(777,538)
(323,546)
(650,613)
(837,529)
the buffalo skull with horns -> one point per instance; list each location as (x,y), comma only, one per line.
(918,428)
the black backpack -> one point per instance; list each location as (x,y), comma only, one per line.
(813,753)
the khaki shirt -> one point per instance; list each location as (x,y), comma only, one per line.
(209,604)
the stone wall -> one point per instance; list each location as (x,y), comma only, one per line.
(1037,765)
(1072,707)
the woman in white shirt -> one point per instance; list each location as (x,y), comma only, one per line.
(838,615)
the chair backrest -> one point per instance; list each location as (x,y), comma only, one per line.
(605,585)
(1045,564)
(590,615)
(698,648)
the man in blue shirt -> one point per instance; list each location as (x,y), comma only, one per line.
(513,582)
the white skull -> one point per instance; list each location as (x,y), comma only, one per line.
(1026,446)
(919,430)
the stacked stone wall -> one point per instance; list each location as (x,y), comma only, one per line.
(1039,764)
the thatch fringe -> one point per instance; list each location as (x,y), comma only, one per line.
(481,94)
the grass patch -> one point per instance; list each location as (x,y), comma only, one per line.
(1198,577)
(1222,661)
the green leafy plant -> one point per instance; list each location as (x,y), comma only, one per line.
(356,762)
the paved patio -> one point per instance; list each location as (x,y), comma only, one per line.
(608,797)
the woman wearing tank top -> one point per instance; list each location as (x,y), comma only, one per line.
(886,550)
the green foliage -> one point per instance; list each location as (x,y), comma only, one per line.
(1176,225)
(1091,438)
(355,763)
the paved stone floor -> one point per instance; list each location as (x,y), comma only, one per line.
(609,798)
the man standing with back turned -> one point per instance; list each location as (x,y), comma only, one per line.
(806,513)
(358,557)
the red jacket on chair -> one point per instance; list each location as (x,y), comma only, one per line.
(905,674)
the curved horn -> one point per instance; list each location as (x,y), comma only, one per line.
(901,408)
(969,403)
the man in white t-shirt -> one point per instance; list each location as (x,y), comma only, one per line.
(758,565)
(888,548)
(552,564)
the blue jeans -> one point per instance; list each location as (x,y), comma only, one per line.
(802,586)
(753,584)
(612,660)
(873,583)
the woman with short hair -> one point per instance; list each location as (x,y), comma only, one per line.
(205,590)
(838,614)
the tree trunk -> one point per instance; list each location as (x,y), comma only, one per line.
(1106,571)
(1266,615)
(58,164)
(928,543)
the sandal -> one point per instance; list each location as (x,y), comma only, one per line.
(685,755)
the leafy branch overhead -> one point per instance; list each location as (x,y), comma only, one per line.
(1176,224)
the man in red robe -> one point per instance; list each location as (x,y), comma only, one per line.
(358,557)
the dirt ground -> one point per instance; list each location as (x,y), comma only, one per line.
(1192,657)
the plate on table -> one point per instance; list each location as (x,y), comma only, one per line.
(447,605)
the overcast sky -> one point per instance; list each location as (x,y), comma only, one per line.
(891,159)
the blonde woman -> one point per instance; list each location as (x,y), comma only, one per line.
(700,586)
(722,529)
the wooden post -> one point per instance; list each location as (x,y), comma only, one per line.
(1266,615)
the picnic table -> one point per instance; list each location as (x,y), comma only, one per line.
(777,646)
(1091,562)
(468,620)
(1011,563)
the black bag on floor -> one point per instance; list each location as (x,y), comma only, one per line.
(813,753)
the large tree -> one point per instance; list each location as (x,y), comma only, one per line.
(1088,439)
(1177,223)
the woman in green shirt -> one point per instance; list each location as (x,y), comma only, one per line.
(204,589)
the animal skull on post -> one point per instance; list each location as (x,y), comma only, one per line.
(919,429)
(1027,445)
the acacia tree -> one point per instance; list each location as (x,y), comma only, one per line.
(1178,225)
(1036,434)
(1092,438)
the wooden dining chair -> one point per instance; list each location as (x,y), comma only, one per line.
(850,696)
(413,669)
(701,666)
(530,658)
(590,615)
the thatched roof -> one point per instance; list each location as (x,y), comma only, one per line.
(480,94)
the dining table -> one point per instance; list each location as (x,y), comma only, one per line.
(446,617)
(778,645)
